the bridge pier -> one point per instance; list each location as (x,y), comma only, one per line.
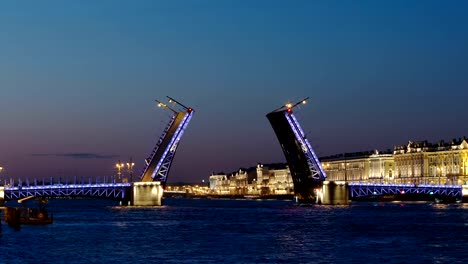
(146,194)
(2,195)
(334,193)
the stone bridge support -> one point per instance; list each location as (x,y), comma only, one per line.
(147,194)
(335,193)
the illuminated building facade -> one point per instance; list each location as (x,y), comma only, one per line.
(274,179)
(219,184)
(418,162)
(439,163)
(360,167)
(238,183)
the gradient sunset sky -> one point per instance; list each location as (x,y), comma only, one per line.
(78,80)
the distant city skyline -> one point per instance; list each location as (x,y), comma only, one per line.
(78,80)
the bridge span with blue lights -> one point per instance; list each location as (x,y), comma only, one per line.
(362,190)
(122,191)
(113,191)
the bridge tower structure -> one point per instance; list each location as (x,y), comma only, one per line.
(306,170)
(149,190)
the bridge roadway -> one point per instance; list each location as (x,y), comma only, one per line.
(360,190)
(123,191)
(114,191)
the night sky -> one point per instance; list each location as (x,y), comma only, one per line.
(78,80)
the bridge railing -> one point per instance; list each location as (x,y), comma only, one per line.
(117,191)
(156,147)
(60,181)
(358,189)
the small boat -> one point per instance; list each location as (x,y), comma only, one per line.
(17,216)
(36,217)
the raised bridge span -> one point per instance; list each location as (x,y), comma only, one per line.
(148,191)
(306,170)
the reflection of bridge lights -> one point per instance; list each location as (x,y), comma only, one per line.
(319,195)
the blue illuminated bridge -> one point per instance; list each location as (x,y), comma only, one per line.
(122,191)
(148,191)
(113,191)
(422,191)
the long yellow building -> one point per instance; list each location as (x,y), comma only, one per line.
(418,162)
(360,167)
(440,163)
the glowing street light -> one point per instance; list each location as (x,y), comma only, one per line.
(130,169)
(163,105)
(439,173)
(119,165)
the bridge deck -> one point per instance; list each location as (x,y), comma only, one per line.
(371,189)
(116,191)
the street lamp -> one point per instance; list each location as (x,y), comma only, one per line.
(130,169)
(462,174)
(119,167)
(438,173)
(1,168)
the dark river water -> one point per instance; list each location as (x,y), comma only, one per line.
(241,231)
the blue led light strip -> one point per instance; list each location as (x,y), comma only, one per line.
(373,189)
(106,190)
(155,149)
(175,139)
(308,145)
(314,165)
(165,165)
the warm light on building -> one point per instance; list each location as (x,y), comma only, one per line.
(415,163)
(433,163)
(261,180)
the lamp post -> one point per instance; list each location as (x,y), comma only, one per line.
(462,176)
(438,173)
(119,167)
(1,169)
(130,169)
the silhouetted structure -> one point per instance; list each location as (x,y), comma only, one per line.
(306,170)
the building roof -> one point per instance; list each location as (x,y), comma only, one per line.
(354,155)
(429,147)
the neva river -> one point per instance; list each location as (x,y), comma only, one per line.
(241,231)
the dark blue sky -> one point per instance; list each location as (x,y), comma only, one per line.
(81,77)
